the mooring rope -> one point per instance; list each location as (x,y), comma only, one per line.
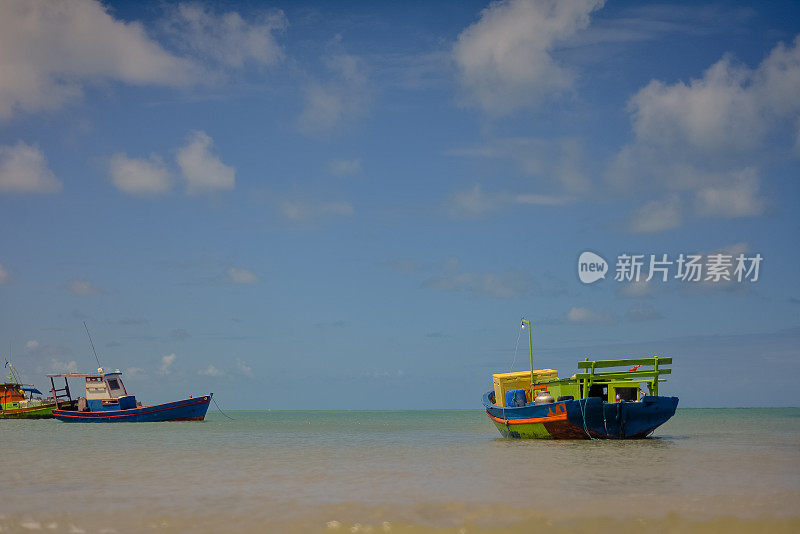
(583,414)
(220,410)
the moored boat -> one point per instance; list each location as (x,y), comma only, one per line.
(108,401)
(22,401)
(598,402)
(17,401)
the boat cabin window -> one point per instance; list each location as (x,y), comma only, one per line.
(628,394)
(599,390)
(115,386)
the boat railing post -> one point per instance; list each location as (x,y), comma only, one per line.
(582,384)
(53,391)
(655,376)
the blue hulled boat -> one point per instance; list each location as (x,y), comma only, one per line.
(107,401)
(587,418)
(597,402)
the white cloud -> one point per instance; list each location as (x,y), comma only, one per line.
(341,167)
(50,50)
(307,210)
(656,216)
(506,285)
(323,109)
(739,199)
(344,96)
(579,314)
(715,113)
(58,366)
(505,59)
(645,21)
(49,358)
(202,170)
(707,138)
(179,334)
(227,39)
(139,176)
(135,372)
(733,249)
(83,287)
(638,288)
(643,312)
(729,110)
(4,276)
(241,276)
(211,371)
(166,363)
(243,367)
(558,161)
(473,202)
(23,169)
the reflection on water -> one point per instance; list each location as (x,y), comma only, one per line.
(298,471)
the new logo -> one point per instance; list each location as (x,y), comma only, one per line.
(591,267)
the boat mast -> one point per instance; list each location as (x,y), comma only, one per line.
(92,343)
(13,375)
(530,342)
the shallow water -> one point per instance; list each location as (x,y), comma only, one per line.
(404,471)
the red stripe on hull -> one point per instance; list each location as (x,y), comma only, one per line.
(101,415)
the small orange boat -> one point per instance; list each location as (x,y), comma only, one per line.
(17,401)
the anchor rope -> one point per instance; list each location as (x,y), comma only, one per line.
(220,409)
(583,414)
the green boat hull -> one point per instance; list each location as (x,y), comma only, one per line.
(38,412)
(34,412)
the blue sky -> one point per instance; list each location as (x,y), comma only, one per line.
(350,205)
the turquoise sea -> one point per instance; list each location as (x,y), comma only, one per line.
(707,470)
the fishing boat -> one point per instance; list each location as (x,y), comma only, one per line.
(108,401)
(17,401)
(600,401)
(22,401)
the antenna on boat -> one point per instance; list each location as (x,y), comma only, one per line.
(13,374)
(92,343)
(527,324)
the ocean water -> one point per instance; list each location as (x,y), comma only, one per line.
(706,470)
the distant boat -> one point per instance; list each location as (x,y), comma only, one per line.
(591,404)
(107,401)
(17,400)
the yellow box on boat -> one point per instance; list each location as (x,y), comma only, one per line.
(520,380)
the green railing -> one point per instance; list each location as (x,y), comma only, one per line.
(590,376)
